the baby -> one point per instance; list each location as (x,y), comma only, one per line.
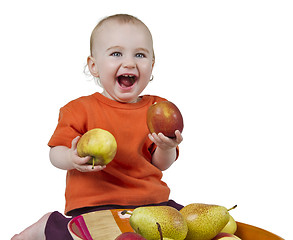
(122,60)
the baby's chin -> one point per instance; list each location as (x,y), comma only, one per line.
(124,97)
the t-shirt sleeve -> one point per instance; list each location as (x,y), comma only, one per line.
(67,129)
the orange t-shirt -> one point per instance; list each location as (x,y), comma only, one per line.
(130,179)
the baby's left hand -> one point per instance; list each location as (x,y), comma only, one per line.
(164,142)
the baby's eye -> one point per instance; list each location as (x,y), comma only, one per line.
(140,55)
(116,54)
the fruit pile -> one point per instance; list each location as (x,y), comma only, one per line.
(193,222)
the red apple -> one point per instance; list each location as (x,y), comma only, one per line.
(226,236)
(130,236)
(164,117)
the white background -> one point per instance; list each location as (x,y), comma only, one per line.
(228,65)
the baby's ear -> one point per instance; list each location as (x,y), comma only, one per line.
(91,62)
(153,62)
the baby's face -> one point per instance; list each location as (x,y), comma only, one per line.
(124,59)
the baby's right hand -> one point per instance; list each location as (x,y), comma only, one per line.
(80,163)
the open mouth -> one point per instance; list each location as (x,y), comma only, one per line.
(126,80)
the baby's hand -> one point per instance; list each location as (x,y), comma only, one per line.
(164,142)
(80,163)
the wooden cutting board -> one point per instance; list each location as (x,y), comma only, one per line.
(106,225)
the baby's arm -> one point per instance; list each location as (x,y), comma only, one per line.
(165,153)
(67,158)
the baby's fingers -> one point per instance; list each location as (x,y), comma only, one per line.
(74,143)
(162,141)
(90,168)
(155,138)
(151,137)
(82,165)
(81,160)
(179,137)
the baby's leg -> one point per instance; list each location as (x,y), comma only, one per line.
(35,231)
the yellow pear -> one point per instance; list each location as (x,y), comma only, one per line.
(230,227)
(147,221)
(204,221)
(99,144)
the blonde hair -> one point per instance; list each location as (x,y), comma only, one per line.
(121,18)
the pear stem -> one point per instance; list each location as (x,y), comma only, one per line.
(126,212)
(160,230)
(232,208)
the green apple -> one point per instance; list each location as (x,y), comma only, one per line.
(99,144)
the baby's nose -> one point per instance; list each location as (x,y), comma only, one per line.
(129,63)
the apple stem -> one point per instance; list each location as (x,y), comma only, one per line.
(126,212)
(93,166)
(232,208)
(160,230)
